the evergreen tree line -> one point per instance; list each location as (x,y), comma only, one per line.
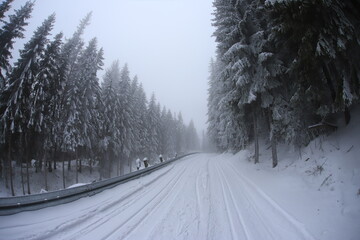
(53,108)
(284,70)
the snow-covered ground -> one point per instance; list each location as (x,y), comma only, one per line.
(55,178)
(312,195)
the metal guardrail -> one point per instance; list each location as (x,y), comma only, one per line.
(12,205)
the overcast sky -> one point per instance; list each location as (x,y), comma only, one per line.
(167,43)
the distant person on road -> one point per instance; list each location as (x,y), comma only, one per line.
(138,163)
(146,163)
(161,158)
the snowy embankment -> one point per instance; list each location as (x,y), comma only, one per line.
(312,196)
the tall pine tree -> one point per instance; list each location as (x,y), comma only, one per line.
(11,30)
(18,92)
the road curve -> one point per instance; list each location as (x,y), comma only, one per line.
(199,197)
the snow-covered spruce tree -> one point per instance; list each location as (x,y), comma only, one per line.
(213,112)
(163,132)
(42,99)
(71,135)
(126,119)
(66,136)
(141,113)
(180,134)
(160,135)
(224,121)
(72,48)
(267,70)
(18,92)
(192,139)
(170,134)
(89,62)
(153,128)
(50,76)
(44,88)
(276,60)
(320,39)
(42,103)
(247,75)
(226,35)
(110,138)
(11,29)
(4,7)
(239,35)
(337,51)
(137,124)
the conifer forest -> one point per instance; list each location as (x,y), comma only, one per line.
(286,71)
(53,108)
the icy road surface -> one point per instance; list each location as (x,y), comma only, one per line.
(199,197)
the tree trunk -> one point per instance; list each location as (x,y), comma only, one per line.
(130,165)
(274,151)
(118,166)
(63,170)
(49,165)
(28,176)
(122,166)
(6,171)
(21,164)
(256,139)
(1,167)
(53,157)
(102,167)
(76,167)
(3,171)
(90,163)
(347,115)
(36,168)
(27,155)
(11,178)
(273,140)
(329,82)
(69,164)
(80,164)
(333,92)
(45,173)
(109,161)
(10,168)
(40,164)
(22,178)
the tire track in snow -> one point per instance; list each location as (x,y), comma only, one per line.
(179,204)
(156,203)
(208,187)
(203,196)
(251,213)
(259,199)
(92,212)
(143,191)
(230,204)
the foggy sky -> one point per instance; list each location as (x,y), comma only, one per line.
(166,43)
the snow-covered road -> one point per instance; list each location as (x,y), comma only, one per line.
(199,197)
